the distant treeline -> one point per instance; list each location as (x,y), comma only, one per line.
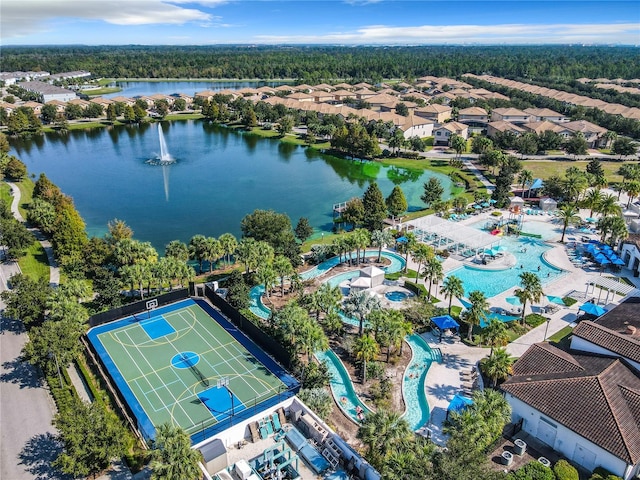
(325,63)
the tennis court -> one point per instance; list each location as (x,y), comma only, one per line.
(186,364)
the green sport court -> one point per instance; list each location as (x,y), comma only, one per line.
(186,364)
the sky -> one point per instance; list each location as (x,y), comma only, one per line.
(334,22)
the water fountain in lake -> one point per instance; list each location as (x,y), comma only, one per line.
(164,157)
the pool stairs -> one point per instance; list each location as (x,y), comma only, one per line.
(436,355)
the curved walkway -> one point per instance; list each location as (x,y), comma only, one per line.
(54,271)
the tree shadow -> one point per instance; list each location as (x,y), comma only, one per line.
(38,455)
(19,372)
(11,325)
(442,391)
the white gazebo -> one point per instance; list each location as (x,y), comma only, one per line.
(548,204)
(516,202)
(360,283)
(374,274)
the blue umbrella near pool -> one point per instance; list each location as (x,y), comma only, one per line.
(477,207)
(485,204)
(592,309)
(492,201)
(601,259)
(556,300)
(513,301)
(591,220)
(618,261)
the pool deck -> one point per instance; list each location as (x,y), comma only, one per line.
(443,379)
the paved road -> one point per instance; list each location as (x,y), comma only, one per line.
(27,442)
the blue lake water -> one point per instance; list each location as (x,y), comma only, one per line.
(134,89)
(220,176)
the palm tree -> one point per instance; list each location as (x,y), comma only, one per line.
(198,249)
(380,239)
(574,185)
(283,268)
(172,457)
(609,137)
(433,272)
(366,349)
(177,249)
(247,253)
(266,276)
(229,244)
(381,431)
(459,203)
(614,227)
(339,246)
(359,305)
(476,312)
(608,206)
(497,366)
(452,287)
(312,338)
(495,334)
(213,251)
(632,190)
(592,200)
(459,145)
(361,238)
(421,253)
(525,177)
(531,290)
(568,214)
(328,298)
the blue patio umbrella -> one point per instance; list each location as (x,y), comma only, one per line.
(607,248)
(499,248)
(402,239)
(465,303)
(592,309)
(556,300)
(477,207)
(595,242)
(458,403)
(591,220)
(485,204)
(592,249)
(513,300)
(492,201)
(618,261)
(601,259)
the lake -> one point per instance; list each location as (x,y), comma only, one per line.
(138,88)
(220,175)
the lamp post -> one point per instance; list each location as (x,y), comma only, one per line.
(546,329)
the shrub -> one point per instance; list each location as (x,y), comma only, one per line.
(416,288)
(601,473)
(533,470)
(375,370)
(565,471)
(319,400)
(497,213)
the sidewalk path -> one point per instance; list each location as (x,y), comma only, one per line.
(54,271)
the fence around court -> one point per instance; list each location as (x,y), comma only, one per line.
(250,329)
(137,307)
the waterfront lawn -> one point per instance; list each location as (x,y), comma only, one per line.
(26,187)
(35,264)
(5,194)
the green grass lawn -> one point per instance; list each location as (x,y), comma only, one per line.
(26,187)
(102,91)
(5,193)
(544,169)
(34,264)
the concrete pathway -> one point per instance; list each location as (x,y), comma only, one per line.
(28,442)
(54,271)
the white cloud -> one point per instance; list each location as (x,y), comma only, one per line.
(438,34)
(25,17)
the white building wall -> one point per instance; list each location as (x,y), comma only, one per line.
(586,346)
(566,440)
(63,97)
(421,131)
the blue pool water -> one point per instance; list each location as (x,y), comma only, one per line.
(397,296)
(413,383)
(259,309)
(341,386)
(528,254)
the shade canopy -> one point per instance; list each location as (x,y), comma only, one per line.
(458,403)
(492,201)
(477,207)
(537,183)
(556,300)
(402,239)
(592,309)
(591,220)
(465,303)
(618,261)
(445,321)
(485,204)
(513,300)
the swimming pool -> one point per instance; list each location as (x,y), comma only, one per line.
(397,264)
(528,253)
(413,383)
(397,296)
(341,386)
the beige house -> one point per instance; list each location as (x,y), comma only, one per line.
(542,114)
(473,115)
(512,115)
(301,97)
(442,133)
(539,127)
(417,127)
(592,133)
(501,126)
(60,106)
(436,113)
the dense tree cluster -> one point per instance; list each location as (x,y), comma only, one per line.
(318,63)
